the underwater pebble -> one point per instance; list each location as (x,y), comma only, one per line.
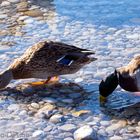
(56,118)
(49,100)
(38,133)
(13,107)
(35,105)
(67,127)
(67,100)
(85,132)
(116,138)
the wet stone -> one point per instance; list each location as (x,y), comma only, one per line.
(35,105)
(34,13)
(68,127)
(74,95)
(38,133)
(116,138)
(56,118)
(88,134)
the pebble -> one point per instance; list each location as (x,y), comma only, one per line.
(3,16)
(67,127)
(67,100)
(5,3)
(116,138)
(118,125)
(74,95)
(35,105)
(48,128)
(105,123)
(13,107)
(38,133)
(69,138)
(34,13)
(49,100)
(84,133)
(14,1)
(138,129)
(56,118)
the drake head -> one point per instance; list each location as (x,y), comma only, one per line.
(107,86)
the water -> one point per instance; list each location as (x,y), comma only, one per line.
(110,28)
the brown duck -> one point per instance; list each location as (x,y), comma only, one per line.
(46,60)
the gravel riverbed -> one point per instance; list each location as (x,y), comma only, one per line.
(70,110)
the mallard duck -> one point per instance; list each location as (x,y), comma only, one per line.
(46,60)
(128,77)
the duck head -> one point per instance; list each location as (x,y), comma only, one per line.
(108,85)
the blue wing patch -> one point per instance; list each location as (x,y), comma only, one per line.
(65,60)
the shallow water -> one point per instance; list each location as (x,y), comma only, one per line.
(110,28)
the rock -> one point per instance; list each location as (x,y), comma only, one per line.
(119,124)
(34,13)
(105,123)
(49,100)
(56,118)
(5,3)
(84,133)
(138,129)
(67,127)
(38,133)
(23,113)
(116,138)
(67,101)
(14,1)
(48,128)
(74,95)
(13,107)
(68,138)
(3,16)
(47,107)
(22,6)
(35,105)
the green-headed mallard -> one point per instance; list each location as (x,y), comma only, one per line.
(45,60)
(128,77)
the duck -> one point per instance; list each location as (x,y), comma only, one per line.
(127,77)
(46,60)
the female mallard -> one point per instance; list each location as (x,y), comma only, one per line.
(128,77)
(45,60)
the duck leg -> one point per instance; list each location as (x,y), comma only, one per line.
(50,80)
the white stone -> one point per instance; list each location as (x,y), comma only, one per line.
(5,3)
(67,127)
(116,138)
(35,105)
(56,118)
(85,132)
(38,133)
(118,125)
(49,100)
(13,107)
(105,123)
(67,100)
(14,1)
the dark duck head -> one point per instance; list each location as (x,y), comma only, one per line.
(128,77)
(108,85)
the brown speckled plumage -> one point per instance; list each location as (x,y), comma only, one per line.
(40,61)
